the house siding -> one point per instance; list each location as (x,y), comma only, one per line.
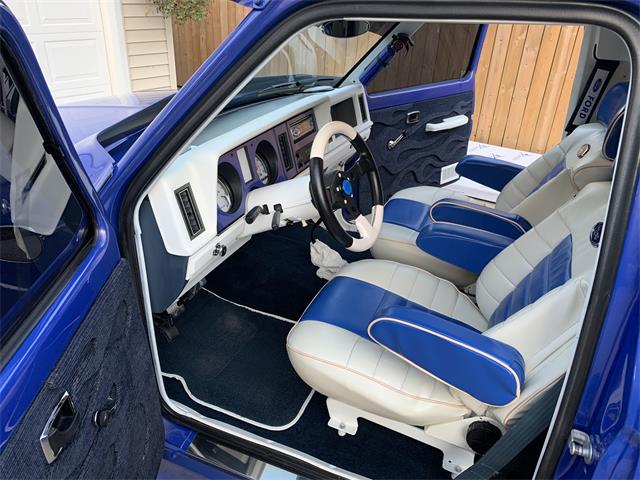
(149,41)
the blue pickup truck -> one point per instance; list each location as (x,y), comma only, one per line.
(268,274)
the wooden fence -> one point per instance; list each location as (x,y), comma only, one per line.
(523,85)
(523,82)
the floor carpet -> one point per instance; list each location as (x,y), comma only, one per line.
(273,272)
(235,359)
(374,452)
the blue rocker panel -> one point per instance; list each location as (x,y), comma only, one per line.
(465,247)
(488,370)
(490,172)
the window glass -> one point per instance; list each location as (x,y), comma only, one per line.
(41,222)
(441,52)
(312,52)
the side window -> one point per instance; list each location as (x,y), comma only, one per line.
(442,52)
(41,222)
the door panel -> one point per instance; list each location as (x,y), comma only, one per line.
(419,156)
(429,79)
(107,365)
(75,333)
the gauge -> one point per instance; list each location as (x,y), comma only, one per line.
(225,196)
(262,169)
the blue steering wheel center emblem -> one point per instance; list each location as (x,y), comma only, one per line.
(346,187)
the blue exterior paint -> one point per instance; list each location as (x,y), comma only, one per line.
(609,410)
(466,247)
(455,354)
(24,374)
(551,272)
(490,172)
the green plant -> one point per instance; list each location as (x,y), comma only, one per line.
(182,10)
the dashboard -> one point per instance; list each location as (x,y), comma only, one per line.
(246,157)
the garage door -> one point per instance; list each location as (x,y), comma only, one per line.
(67,37)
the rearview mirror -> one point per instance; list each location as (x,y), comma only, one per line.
(345,28)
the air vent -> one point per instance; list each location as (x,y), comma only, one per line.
(363,108)
(189,211)
(284,150)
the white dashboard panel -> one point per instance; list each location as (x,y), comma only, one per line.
(198,167)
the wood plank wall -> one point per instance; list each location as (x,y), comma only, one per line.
(523,82)
(194,41)
(523,85)
(149,46)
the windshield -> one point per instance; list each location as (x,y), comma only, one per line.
(311,58)
(312,52)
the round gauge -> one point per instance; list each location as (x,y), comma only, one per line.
(225,196)
(263,170)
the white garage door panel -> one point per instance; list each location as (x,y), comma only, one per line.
(69,43)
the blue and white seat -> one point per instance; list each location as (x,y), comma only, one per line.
(400,346)
(531,193)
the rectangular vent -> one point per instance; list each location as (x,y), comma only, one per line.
(189,211)
(284,150)
(448,174)
(363,108)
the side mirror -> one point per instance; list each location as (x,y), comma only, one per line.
(345,28)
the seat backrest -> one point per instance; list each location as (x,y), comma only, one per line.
(564,169)
(534,292)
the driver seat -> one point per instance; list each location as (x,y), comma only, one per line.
(406,349)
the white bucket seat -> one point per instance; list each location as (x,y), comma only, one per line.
(531,195)
(405,348)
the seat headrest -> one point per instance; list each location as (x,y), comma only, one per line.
(612,137)
(614,100)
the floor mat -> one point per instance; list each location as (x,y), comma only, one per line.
(235,359)
(273,272)
(374,452)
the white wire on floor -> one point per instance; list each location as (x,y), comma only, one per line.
(275,428)
(266,314)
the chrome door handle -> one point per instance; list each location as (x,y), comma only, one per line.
(391,144)
(447,124)
(60,429)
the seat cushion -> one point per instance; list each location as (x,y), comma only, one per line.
(331,350)
(405,214)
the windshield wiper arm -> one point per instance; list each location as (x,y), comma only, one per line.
(294,86)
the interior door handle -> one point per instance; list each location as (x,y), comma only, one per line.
(60,429)
(447,124)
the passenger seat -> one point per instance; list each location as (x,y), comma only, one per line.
(527,195)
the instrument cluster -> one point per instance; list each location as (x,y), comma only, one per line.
(273,156)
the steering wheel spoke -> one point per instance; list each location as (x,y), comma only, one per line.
(335,191)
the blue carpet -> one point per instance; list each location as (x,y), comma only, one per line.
(235,359)
(273,272)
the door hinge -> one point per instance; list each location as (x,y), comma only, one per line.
(580,446)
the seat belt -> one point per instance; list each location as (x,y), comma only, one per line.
(516,439)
